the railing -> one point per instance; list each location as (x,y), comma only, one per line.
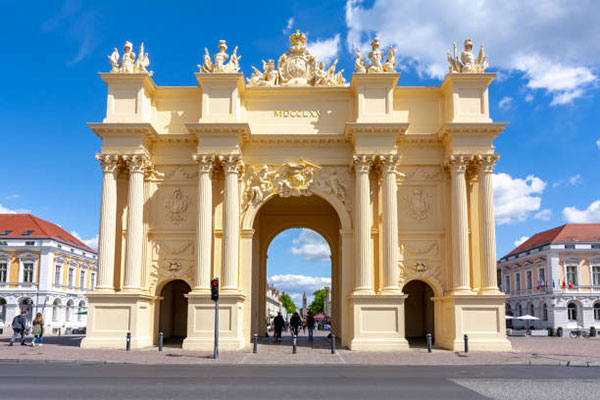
(20,284)
(556,289)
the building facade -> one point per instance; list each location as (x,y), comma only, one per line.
(273,305)
(198,180)
(43,269)
(555,276)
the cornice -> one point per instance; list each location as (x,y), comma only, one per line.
(112,129)
(420,139)
(296,139)
(492,129)
(389,128)
(219,128)
(145,78)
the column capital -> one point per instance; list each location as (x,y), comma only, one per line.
(136,163)
(485,162)
(232,163)
(362,163)
(206,162)
(108,162)
(457,163)
(389,163)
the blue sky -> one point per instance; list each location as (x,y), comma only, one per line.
(547,55)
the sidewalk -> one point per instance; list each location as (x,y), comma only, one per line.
(526,350)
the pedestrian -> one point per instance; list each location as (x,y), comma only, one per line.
(310,324)
(278,322)
(304,327)
(19,325)
(37,330)
(295,322)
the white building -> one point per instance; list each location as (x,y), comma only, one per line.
(555,276)
(43,269)
(273,304)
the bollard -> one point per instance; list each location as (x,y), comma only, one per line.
(332,343)
(466,343)
(294,344)
(255,349)
(429,342)
(161,338)
(128,341)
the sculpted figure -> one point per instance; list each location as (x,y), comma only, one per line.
(219,64)
(234,61)
(207,67)
(390,61)
(467,63)
(375,57)
(128,58)
(220,57)
(359,63)
(266,78)
(127,63)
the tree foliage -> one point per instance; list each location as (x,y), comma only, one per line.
(318,304)
(287,303)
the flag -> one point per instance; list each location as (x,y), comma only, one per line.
(563,284)
(570,284)
(553,284)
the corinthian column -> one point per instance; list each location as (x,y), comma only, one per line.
(460,223)
(232,164)
(108,222)
(362,226)
(389,171)
(486,220)
(204,222)
(137,164)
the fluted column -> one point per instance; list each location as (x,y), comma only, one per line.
(389,171)
(363,260)
(232,164)
(108,222)
(486,220)
(135,221)
(460,223)
(204,222)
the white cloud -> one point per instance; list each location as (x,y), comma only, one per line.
(311,246)
(92,242)
(13,196)
(297,285)
(529,97)
(289,26)
(559,56)
(6,210)
(505,103)
(325,49)
(520,241)
(544,215)
(589,215)
(574,180)
(598,143)
(516,198)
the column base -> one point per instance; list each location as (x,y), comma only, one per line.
(112,315)
(378,322)
(201,322)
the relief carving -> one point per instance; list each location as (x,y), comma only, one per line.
(331,181)
(420,270)
(177,206)
(177,247)
(170,269)
(183,172)
(422,249)
(422,173)
(418,204)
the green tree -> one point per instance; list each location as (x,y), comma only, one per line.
(287,303)
(318,304)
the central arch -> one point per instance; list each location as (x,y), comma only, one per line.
(172,320)
(418,311)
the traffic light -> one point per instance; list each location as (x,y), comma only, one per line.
(214,289)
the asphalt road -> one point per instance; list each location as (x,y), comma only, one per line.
(117,381)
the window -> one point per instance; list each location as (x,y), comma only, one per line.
(3,243)
(596,275)
(4,233)
(3,310)
(29,243)
(520,310)
(531,310)
(545,312)
(507,281)
(542,275)
(70,277)
(69,310)
(80,311)
(569,246)
(3,272)
(27,233)
(92,281)
(55,309)
(58,275)
(597,311)
(596,246)
(28,272)
(529,276)
(518,281)
(572,312)
(82,280)
(572,275)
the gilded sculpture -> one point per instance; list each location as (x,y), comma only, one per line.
(220,64)
(127,63)
(375,56)
(467,63)
(296,67)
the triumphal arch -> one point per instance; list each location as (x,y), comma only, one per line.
(198,180)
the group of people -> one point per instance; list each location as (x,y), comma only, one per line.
(295,323)
(21,328)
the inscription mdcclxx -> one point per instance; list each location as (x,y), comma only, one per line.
(297,113)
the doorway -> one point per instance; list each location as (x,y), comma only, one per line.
(418,312)
(174,312)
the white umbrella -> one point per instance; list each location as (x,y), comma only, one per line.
(509,317)
(528,317)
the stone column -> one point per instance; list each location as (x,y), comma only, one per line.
(204,222)
(108,222)
(364,277)
(389,172)
(137,164)
(232,164)
(460,224)
(486,220)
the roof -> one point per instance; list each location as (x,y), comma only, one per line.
(568,233)
(27,226)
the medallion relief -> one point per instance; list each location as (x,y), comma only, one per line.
(418,204)
(177,206)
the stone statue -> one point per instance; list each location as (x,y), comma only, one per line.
(127,63)
(467,62)
(375,57)
(219,65)
(268,76)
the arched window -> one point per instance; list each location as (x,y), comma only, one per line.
(520,310)
(508,309)
(69,310)
(2,310)
(572,312)
(597,311)
(80,310)
(26,304)
(531,310)
(545,311)
(55,309)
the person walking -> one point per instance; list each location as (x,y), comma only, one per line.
(295,322)
(19,325)
(278,323)
(310,324)
(37,330)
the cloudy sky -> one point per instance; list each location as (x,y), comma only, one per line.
(546,54)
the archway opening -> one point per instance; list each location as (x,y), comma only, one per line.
(173,312)
(418,312)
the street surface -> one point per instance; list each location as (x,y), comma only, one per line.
(118,381)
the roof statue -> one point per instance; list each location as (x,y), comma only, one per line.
(127,63)
(467,62)
(296,67)
(375,56)
(219,64)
